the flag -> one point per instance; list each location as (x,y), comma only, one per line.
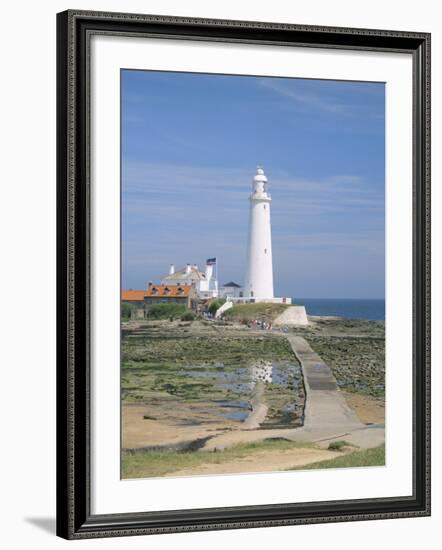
(211,261)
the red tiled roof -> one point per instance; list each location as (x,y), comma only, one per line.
(132,295)
(168,290)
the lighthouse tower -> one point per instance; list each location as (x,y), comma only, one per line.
(259,276)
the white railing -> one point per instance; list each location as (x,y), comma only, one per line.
(252,300)
(227,305)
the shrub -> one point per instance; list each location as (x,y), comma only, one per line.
(188,316)
(126,310)
(215,305)
(166,311)
(338,445)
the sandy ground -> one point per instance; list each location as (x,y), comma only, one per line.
(261,461)
(369,410)
(139,432)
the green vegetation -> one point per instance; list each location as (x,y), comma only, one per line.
(184,348)
(166,311)
(339,445)
(188,369)
(250,312)
(366,457)
(170,365)
(215,305)
(358,363)
(188,316)
(159,463)
(126,310)
(141,463)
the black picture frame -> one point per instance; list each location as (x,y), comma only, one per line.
(74,518)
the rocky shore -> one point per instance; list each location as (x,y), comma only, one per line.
(354,350)
(184,382)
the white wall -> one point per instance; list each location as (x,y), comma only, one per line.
(27,220)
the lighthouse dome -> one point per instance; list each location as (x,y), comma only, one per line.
(260,176)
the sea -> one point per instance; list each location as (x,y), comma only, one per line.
(373,310)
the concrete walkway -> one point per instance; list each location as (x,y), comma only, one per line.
(327,416)
(325,407)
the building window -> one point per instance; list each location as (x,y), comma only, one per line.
(265,250)
(265,206)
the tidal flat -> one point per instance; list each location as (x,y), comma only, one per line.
(183,383)
(213,373)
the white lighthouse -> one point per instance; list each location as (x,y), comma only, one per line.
(259,276)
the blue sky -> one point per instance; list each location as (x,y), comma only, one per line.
(190,147)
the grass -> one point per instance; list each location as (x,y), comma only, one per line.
(160,463)
(249,312)
(366,457)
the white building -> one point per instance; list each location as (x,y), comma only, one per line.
(205,282)
(208,287)
(231,290)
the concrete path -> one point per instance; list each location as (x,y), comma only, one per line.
(327,416)
(326,408)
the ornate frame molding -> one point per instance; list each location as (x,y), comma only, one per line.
(74,29)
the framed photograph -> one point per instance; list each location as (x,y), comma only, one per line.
(243,274)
